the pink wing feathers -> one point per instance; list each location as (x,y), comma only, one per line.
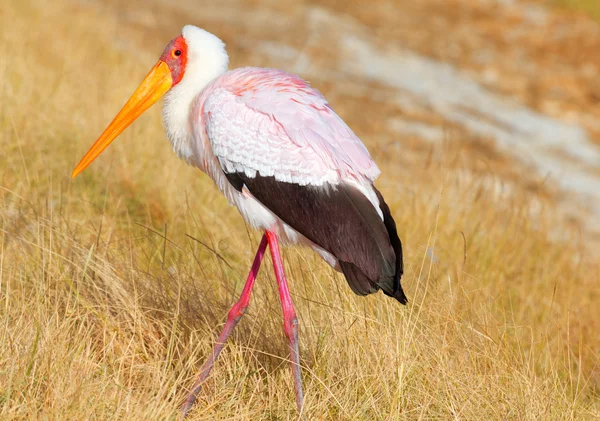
(274,123)
(273,135)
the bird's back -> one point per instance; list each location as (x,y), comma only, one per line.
(276,139)
(283,127)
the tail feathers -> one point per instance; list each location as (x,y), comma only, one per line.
(396,291)
(398,295)
(358,282)
(361,285)
(389,256)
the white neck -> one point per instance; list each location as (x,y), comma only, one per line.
(207,60)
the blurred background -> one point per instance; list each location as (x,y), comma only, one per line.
(484,116)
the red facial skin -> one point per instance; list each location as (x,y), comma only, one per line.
(175,55)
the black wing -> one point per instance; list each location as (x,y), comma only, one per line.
(341,220)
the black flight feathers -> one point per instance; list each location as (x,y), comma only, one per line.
(342,221)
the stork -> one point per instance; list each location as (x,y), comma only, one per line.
(278,152)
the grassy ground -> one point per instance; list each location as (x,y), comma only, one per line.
(591,7)
(112,286)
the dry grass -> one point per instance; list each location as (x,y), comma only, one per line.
(108,307)
(590,7)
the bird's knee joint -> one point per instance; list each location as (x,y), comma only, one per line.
(236,312)
(291,327)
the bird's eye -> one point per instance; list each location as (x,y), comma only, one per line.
(177,53)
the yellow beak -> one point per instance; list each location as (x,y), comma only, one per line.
(154,85)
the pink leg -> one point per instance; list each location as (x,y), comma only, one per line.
(290,321)
(234,316)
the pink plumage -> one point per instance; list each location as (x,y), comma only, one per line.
(274,123)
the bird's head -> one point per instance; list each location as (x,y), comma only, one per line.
(188,62)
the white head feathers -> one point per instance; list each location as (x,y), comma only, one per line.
(206,60)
